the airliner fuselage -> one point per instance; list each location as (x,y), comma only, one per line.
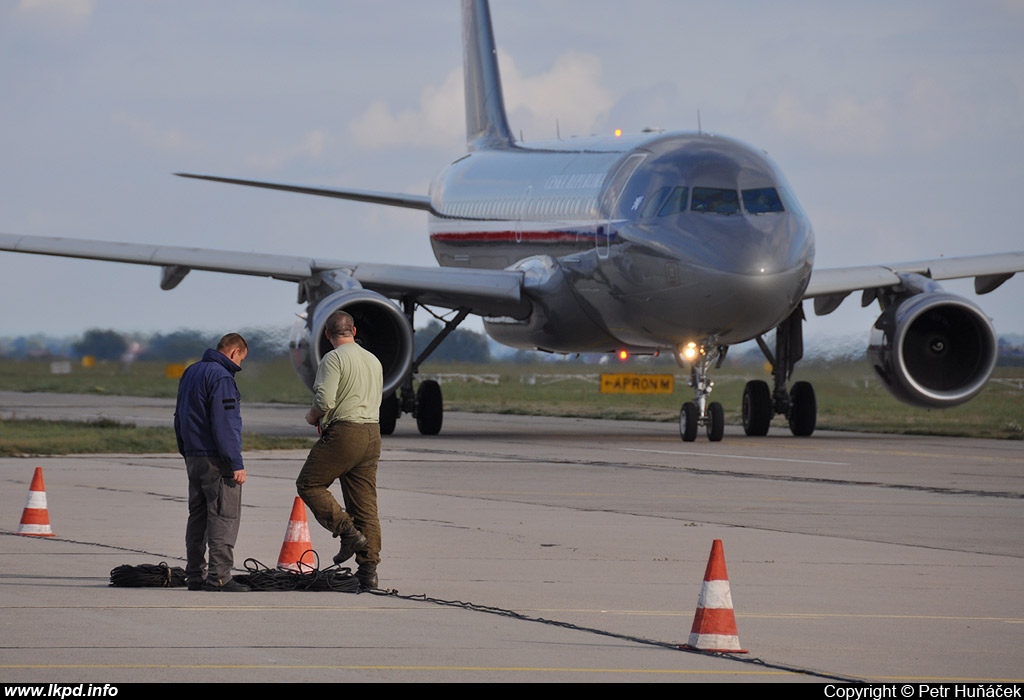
(659,239)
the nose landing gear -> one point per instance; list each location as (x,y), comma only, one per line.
(701,411)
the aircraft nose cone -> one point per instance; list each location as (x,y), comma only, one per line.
(759,247)
(726,277)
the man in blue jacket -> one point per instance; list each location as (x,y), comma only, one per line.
(208,425)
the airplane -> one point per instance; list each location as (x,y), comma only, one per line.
(686,242)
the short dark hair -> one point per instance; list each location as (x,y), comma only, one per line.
(232,341)
(340,324)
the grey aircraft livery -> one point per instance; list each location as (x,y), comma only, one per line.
(658,241)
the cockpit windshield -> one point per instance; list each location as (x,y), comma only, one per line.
(666,201)
(715,200)
(763,200)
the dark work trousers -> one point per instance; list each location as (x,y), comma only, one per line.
(214,509)
(347,452)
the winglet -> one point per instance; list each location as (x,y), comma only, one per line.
(486,122)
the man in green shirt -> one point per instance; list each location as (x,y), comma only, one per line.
(346,410)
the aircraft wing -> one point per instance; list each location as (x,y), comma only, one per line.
(828,287)
(484,292)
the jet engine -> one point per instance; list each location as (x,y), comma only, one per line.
(933,350)
(381,328)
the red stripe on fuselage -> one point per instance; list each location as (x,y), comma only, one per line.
(510,236)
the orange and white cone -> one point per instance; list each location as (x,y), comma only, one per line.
(714,623)
(297,550)
(35,519)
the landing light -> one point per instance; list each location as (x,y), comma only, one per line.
(623,355)
(688,352)
(618,133)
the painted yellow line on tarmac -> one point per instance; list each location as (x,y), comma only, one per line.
(941,679)
(328,667)
(880,616)
(483,669)
(420,606)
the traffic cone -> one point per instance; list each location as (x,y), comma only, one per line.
(714,624)
(297,550)
(35,519)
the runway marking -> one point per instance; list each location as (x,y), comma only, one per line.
(730,456)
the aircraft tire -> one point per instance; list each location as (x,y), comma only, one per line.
(757,408)
(688,422)
(716,422)
(803,411)
(388,414)
(429,408)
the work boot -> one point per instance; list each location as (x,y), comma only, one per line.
(232,586)
(352,541)
(367,575)
(195,583)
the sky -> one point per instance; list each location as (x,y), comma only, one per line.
(899,125)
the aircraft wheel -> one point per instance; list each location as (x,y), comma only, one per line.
(716,421)
(757,408)
(803,409)
(429,408)
(688,422)
(388,414)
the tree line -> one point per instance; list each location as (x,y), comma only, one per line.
(266,343)
(186,344)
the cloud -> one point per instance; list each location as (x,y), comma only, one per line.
(438,120)
(571,92)
(921,116)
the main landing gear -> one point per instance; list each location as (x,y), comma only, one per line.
(425,403)
(759,407)
(798,404)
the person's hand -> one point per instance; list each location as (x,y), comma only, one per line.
(239,476)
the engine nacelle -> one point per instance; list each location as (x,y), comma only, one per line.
(933,350)
(381,328)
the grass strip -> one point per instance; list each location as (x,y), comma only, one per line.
(33,437)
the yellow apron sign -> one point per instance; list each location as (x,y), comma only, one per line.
(628,383)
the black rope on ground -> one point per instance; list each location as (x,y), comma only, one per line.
(639,640)
(147,576)
(337,578)
(307,578)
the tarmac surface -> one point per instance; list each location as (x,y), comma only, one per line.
(577,550)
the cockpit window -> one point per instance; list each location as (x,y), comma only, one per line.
(713,200)
(762,201)
(665,202)
(655,201)
(675,203)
